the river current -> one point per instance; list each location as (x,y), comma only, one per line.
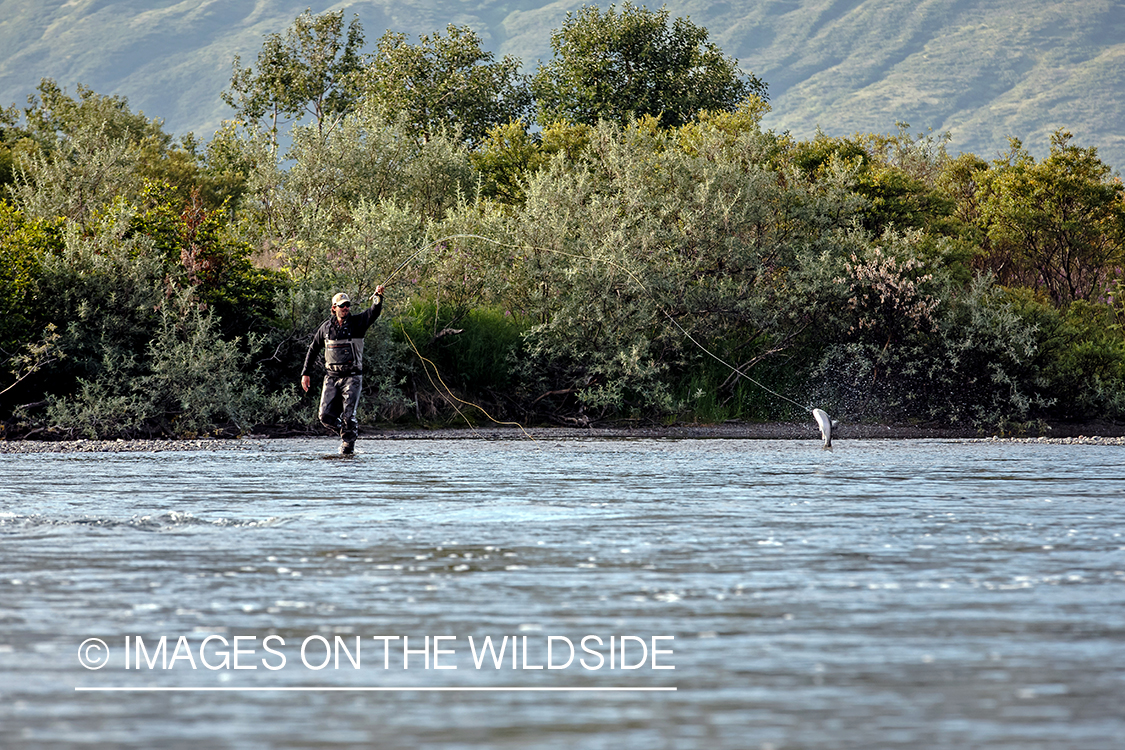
(646,594)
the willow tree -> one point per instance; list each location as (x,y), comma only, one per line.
(619,65)
(307,70)
(446,83)
(1056,225)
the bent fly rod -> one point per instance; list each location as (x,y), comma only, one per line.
(823,421)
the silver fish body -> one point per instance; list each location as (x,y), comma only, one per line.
(825,423)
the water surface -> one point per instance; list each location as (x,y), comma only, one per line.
(891,594)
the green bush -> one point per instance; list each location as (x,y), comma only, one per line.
(189,382)
(1087,372)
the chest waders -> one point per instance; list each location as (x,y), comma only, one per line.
(343,359)
(338,401)
(343,356)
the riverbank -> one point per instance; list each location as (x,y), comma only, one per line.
(1085,434)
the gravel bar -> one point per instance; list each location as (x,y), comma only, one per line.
(125,446)
(1098,435)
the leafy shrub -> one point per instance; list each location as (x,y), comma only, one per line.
(1087,371)
(189,381)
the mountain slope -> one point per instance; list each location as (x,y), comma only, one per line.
(982,69)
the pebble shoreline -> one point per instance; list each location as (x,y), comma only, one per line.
(126,446)
(1079,440)
(774,432)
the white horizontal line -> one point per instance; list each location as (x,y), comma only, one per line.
(377,689)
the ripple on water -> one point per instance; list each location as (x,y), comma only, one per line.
(885,594)
(169,521)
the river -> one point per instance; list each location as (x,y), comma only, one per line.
(646,593)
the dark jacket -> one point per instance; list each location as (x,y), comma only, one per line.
(343,342)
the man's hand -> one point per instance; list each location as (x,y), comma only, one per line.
(378,293)
(306,381)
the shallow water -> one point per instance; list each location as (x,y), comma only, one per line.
(886,594)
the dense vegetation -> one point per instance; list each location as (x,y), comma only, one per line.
(556,250)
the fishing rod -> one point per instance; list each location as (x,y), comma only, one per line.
(427,246)
(824,422)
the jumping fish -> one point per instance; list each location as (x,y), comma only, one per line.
(825,423)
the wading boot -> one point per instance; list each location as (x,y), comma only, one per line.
(347,447)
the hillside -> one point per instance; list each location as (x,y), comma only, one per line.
(982,69)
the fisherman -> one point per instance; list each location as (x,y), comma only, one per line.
(342,338)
